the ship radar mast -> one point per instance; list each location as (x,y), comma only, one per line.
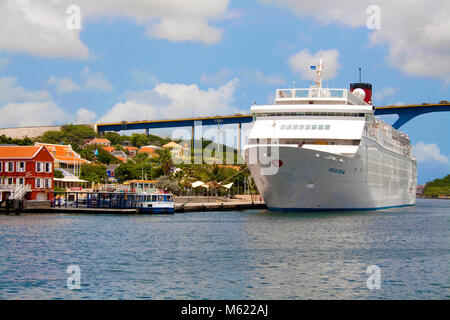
(319,70)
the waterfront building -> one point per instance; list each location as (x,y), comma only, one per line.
(65,157)
(119,154)
(109,149)
(26,172)
(71,183)
(132,151)
(149,150)
(102,142)
(177,150)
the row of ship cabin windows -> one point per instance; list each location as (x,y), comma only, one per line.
(315,114)
(39,182)
(154,198)
(20,166)
(305,127)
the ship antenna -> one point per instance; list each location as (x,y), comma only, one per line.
(360,75)
(319,70)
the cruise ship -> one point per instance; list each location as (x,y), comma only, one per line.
(323,149)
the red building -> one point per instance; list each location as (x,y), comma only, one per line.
(22,166)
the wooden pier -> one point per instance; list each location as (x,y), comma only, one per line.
(219,206)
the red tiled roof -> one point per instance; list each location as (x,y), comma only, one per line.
(148,150)
(63,153)
(109,149)
(94,141)
(18,152)
(121,158)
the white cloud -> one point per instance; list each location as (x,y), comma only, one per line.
(20,107)
(3,62)
(95,80)
(32,114)
(63,85)
(84,115)
(429,152)
(10,91)
(382,94)
(39,27)
(303,60)
(258,76)
(252,76)
(217,78)
(144,79)
(417,33)
(174,101)
(185,30)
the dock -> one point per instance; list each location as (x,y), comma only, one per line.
(182,205)
(219,206)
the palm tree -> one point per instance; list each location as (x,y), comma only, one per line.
(165,158)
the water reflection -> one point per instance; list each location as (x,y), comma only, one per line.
(229,255)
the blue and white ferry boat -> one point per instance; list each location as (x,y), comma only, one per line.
(154,203)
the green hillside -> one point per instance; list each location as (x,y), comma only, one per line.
(438,188)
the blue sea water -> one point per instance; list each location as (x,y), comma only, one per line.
(229,255)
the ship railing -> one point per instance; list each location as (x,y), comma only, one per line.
(311,93)
(318,93)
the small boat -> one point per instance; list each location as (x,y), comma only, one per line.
(154,203)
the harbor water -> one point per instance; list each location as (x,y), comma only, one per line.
(254,254)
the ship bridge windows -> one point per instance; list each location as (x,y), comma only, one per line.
(307,114)
(305,127)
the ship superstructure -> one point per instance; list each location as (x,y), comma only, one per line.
(329,151)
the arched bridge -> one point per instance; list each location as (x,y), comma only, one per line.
(408,112)
(405,114)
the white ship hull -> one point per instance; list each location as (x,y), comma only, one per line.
(374,178)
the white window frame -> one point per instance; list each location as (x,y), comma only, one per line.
(18,169)
(49,164)
(47,183)
(39,167)
(8,179)
(18,181)
(7,165)
(38,183)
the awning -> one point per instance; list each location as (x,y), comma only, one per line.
(197,184)
(69,180)
(228,186)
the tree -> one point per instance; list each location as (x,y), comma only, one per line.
(53,136)
(437,187)
(94,173)
(165,158)
(168,184)
(115,138)
(76,134)
(125,172)
(58,174)
(137,170)
(103,156)
(139,140)
(21,142)
(69,134)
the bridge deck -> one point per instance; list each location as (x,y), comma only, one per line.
(406,113)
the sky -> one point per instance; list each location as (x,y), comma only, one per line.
(80,61)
